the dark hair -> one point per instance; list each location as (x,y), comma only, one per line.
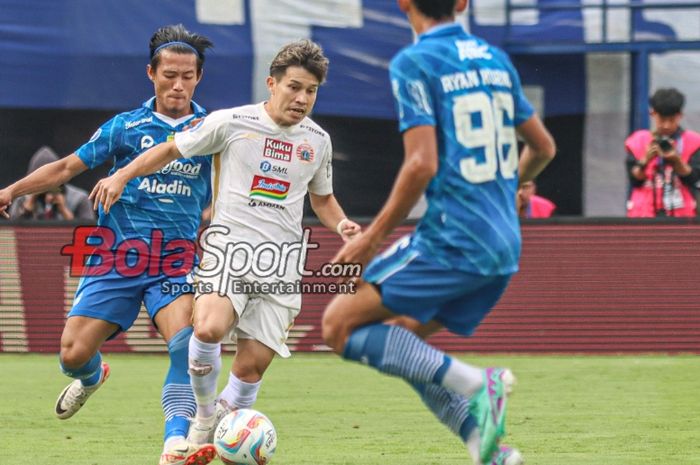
(305,53)
(436,9)
(667,102)
(191,43)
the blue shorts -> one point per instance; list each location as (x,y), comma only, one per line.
(412,284)
(117,299)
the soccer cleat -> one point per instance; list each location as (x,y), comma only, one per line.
(202,430)
(222,409)
(75,395)
(507,456)
(489,409)
(186,453)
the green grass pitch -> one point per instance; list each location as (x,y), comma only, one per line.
(609,410)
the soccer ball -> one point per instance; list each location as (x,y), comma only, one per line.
(245,437)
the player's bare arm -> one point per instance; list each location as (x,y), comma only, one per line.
(43,179)
(539,149)
(331,214)
(419,166)
(108,190)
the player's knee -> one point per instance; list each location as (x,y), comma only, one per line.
(74,356)
(210,333)
(247,372)
(333,332)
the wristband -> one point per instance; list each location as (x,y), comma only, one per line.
(339,227)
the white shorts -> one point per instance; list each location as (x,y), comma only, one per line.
(266,318)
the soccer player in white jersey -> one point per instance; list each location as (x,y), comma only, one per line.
(268,156)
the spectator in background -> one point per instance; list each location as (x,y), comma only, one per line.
(532,205)
(663,164)
(66,202)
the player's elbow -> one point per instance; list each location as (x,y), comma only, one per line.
(548,149)
(422,168)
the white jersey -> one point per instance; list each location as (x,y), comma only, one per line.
(261,173)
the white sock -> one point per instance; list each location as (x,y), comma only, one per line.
(473,444)
(205,365)
(463,379)
(240,394)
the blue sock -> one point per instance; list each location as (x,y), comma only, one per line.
(88,374)
(395,351)
(178,399)
(451,409)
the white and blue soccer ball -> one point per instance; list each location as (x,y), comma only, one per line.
(245,437)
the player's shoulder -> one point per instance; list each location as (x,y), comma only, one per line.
(131,118)
(234,114)
(310,126)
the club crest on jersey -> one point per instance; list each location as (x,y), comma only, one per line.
(305,153)
(278,150)
(270,188)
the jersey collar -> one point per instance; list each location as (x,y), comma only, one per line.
(199,111)
(445,29)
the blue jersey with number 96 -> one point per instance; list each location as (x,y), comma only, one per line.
(471,93)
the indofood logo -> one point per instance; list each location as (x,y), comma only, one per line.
(179,168)
(270,188)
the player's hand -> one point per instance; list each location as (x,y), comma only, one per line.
(5,202)
(107,191)
(360,251)
(348,229)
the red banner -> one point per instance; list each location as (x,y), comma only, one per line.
(581,288)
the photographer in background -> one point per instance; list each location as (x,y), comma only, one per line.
(66,202)
(663,165)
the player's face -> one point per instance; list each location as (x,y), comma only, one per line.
(292,97)
(666,125)
(174,80)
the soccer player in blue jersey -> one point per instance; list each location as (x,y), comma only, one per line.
(159,209)
(460,106)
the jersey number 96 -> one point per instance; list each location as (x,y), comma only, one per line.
(497,140)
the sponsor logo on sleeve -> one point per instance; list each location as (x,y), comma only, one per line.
(305,153)
(278,150)
(269,188)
